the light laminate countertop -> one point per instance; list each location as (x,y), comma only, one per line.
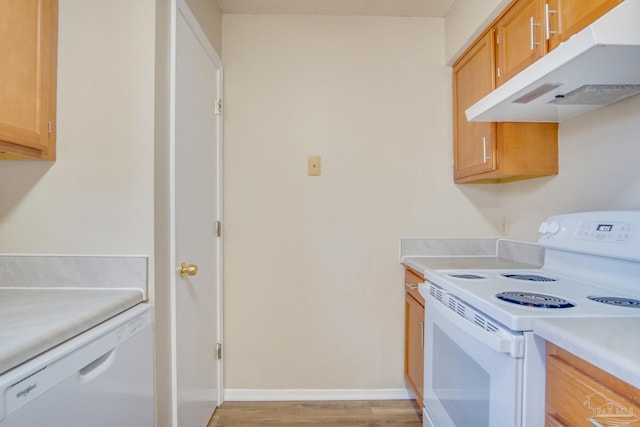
(611,344)
(33,320)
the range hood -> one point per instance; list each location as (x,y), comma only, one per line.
(596,67)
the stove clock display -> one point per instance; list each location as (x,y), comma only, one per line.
(604,227)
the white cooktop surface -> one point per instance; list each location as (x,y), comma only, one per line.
(481,294)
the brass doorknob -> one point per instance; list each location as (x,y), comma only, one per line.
(187,269)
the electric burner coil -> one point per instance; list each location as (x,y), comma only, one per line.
(529,277)
(617,301)
(466,276)
(532,299)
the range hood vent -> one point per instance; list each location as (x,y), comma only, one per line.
(536,93)
(597,95)
(598,66)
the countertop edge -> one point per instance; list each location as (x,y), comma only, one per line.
(38,337)
(599,347)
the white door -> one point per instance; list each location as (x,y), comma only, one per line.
(197,210)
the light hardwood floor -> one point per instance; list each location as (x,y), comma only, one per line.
(378,413)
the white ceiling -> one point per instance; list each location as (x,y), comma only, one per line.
(418,8)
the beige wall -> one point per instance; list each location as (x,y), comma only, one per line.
(313,294)
(98,196)
(599,155)
(313,285)
(465,20)
(162,208)
(209,16)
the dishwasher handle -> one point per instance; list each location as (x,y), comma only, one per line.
(96,368)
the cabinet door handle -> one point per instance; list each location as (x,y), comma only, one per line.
(595,423)
(532,25)
(414,287)
(484,149)
(547,14)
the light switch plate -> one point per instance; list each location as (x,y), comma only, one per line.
(314,166)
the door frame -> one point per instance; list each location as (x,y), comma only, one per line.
(180,7)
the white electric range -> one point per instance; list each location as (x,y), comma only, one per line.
(483,364)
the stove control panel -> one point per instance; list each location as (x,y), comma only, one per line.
(605,233)
(614,232)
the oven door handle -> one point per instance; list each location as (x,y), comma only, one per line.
(500,340)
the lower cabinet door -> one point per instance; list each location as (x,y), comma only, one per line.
(577,399)
(414,346)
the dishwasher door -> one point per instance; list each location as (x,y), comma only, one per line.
(106,381)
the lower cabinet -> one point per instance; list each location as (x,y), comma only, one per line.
(414,335)
(580,394)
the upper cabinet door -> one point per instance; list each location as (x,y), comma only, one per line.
(474,142)
(520,38)
(565,18)
(28,48)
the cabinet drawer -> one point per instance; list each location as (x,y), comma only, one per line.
(411,281)
(576,399)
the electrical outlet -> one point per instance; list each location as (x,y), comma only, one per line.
(504,225)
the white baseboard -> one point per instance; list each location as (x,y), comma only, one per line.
(253,395)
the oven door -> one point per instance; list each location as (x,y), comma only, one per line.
(473,377)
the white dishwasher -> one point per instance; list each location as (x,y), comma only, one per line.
(100,378)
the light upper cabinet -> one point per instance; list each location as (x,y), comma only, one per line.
(565,18)
(473,78)
(28,48)
(524,32)
(495,152)
(520,38)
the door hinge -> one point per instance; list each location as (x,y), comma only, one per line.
(218,228)
(219,351)
(218,107)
